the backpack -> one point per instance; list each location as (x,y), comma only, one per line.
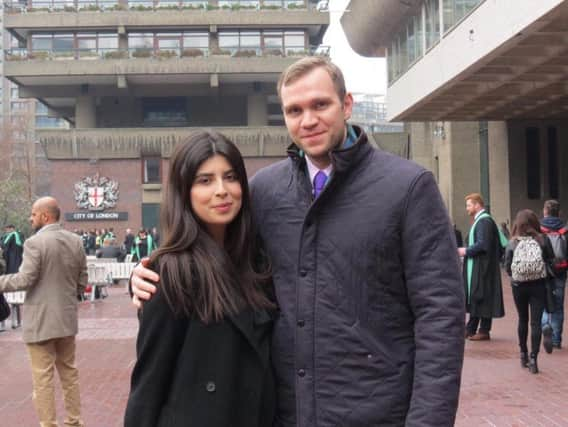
(557,240)
(528,263)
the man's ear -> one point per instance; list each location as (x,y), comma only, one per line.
(347,106)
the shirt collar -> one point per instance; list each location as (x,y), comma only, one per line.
(313,169)
(478,213)
(349,141)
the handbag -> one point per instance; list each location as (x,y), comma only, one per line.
(4,308)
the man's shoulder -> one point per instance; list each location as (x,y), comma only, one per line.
(391,165)
(271,174)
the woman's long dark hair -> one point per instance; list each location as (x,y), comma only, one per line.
(527,224)
(200,276)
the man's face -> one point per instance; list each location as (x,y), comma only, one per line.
(472,207)
(37,218)
(314,114)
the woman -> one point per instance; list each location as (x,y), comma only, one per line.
(526,259)
(203,343)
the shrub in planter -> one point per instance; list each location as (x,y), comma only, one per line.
(41,55)
(191,53)
(115,54)
(142,53)
(273,52)
(166,54)
(223,52)
(245,53)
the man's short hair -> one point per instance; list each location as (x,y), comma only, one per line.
(475,198)
(552,208)
(305,65)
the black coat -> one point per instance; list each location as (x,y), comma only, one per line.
(190,374)
(485,298)
(13,253)
(371,328)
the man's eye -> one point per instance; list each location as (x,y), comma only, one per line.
(293,111)
(321,105)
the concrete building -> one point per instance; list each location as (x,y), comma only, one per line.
(481,86)
(133,77)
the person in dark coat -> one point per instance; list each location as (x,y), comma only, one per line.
(529,295)
(128,240)
(110,250)
(365,267)
(13,250)
(203,343)
(481,270)
(553,226)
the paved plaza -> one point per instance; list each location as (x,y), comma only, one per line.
(495,390)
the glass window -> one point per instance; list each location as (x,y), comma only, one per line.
(41,109)
(108,41)
(228,40)
(141,40)
(151,167)
(294,40)
(63,42)
(164,112)
(196,40)
(250,39)
(42,41)
(432,22)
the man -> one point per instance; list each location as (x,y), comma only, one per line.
(556,231)
(143,245)
(128,240)
(12,246)
(110,250)
(482,274)
(53,272)
(370,330)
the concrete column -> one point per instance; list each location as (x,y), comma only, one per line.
(421,144)
(257,110)
(463,140)
(85,112)
(499,185)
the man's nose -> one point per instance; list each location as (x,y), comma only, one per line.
(309,119)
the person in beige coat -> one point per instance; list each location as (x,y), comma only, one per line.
(53,272)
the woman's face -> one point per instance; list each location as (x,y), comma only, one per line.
(216,195)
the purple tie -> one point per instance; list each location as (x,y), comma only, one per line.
(319,183)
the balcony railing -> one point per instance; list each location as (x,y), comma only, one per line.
(20,54)
(151,5)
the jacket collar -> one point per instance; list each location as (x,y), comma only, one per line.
(49,227)
(342,158)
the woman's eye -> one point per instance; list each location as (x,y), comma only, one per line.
(203,180)
(231,177)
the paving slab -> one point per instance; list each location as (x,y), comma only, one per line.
(495,390)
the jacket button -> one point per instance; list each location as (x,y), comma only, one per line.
(301,323)
(210,387)
(301,373)
(303,273)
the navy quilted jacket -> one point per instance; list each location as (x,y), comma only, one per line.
(371,331)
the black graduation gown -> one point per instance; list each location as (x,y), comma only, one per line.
(486,296)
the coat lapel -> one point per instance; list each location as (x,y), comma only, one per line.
(245,322)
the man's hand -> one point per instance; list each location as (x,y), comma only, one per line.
(141,288)
(461,252)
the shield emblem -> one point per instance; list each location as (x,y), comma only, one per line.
(96,196)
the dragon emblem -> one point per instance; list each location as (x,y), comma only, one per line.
(96,193)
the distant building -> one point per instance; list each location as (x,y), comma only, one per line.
(370,112)
(481,88)
(133,78)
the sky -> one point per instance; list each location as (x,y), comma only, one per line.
(362,74)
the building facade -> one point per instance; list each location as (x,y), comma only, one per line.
(481,87)
(133,78)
